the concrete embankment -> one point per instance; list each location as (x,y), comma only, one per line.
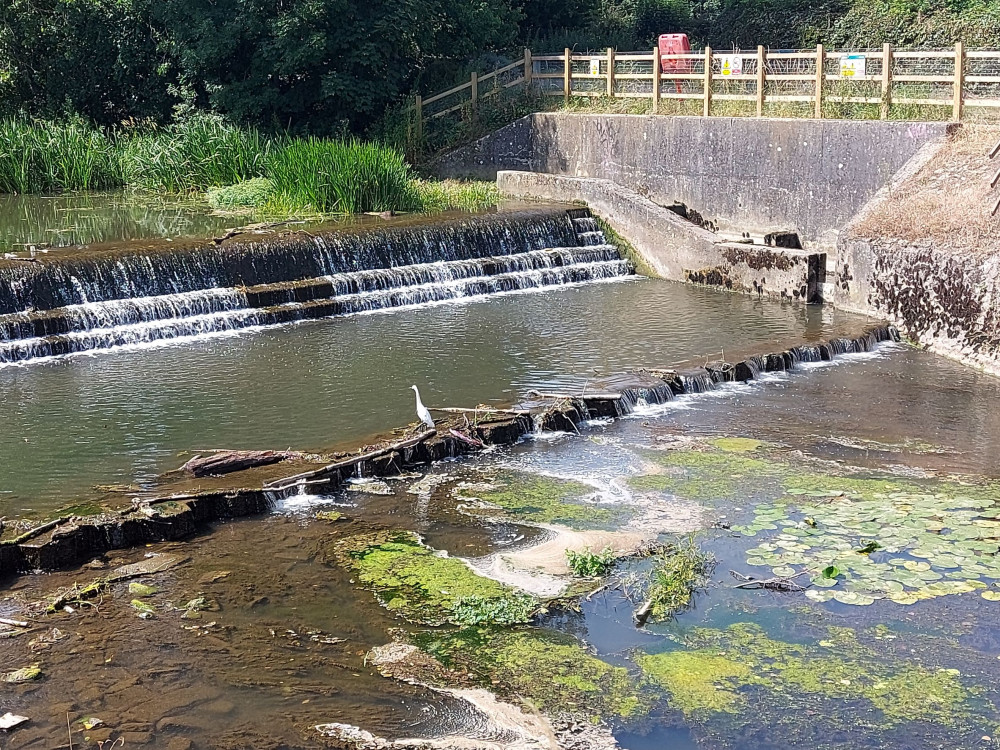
(925,251)
(677,248)
(741,174)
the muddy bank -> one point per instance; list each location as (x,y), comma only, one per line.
(183,507)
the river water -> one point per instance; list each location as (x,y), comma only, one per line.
(124,416)
(870,480)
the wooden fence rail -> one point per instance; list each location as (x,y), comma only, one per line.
(805,82)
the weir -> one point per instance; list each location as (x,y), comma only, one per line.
(108,297)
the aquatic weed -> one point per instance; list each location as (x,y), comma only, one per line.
(678,572)
(588,564)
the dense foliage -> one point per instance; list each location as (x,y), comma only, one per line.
(327,67)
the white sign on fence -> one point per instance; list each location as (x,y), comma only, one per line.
(852,66)
(732,65)
(595,66)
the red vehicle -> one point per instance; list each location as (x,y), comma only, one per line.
(675,44)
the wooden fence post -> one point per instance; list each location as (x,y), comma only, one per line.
(418,106)
(706,104)
(820,77)
(611,72)
(761,62)
(656,80)
(956,112)
(474,89)
(567,75)
(886,81)
(528,68)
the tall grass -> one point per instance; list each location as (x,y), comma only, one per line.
(41,157)
(238,167)
(194,155)
(341,177)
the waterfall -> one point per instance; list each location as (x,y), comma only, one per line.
(98,302)
(697,381)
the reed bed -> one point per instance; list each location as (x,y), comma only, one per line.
(236,167)
(42,157)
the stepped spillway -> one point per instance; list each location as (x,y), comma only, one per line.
(111,298)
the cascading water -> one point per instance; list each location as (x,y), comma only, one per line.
(100,300)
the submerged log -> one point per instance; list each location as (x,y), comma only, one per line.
(230,461)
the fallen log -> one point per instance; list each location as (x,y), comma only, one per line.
(230,461)
(37,531)
(286,482)
(477,410)
(573,396)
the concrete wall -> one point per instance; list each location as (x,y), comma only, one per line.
(674,247)
(757,175)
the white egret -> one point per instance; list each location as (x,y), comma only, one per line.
(422,412)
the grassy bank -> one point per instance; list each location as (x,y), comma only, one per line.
(238,168)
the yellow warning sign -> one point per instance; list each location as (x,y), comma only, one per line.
(731,65)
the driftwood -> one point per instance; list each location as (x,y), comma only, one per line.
(37,531)
(230,461)
(778,583)
(286,482)
(478,410)
(466,439)
(642,614)
(13,623)
(562,396)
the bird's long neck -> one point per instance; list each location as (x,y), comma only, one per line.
(420,404)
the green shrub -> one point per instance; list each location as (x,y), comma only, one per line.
(253,193)
(588,564)
(341,177)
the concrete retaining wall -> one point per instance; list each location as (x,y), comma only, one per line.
(945,300)
(745,174)
(674,247)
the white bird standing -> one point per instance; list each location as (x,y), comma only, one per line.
(422,412)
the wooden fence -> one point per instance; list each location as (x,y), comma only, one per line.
(804,82)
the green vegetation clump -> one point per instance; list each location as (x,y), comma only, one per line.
(254,193)
(588,564)
(552,671)
(698,682)
(423,586)
(24,674)
(447,195)
(677,574)
(547,500)
(341,177)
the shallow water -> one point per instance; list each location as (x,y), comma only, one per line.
(265,672)
(122,417)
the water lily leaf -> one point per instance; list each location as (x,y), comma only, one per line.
(831,571)
(783,571)
(991,595)
(904,597)
(819,596)
(914,565)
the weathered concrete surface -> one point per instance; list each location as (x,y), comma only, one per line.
(676,248)
(925,252)
(745,174)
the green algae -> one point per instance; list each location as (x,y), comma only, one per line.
(553,671)
(697,681)
(424,586)
(736,444)
(24,674)
(547,500)
(729,670)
